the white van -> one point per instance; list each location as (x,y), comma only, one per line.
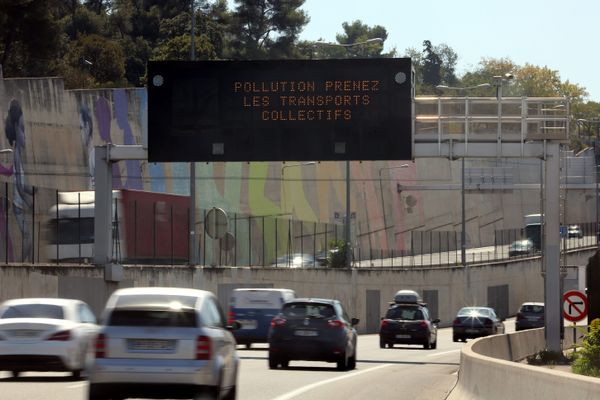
(254,308)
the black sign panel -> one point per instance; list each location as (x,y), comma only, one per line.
(288,110)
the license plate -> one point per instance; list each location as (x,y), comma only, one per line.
(402,336)
(306,333)
(248,323)
(532,318)
(471,330)
(24,333)
(151,344)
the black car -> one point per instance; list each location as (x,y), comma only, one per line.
(530,315)
(408,323)
(474,322)
(313,330)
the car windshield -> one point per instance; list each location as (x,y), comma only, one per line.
(34,311)
(532,308)
(405,313)
(308,310)
(473,311)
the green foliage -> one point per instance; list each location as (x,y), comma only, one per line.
(588,359)
(337,256)
(106,58)
(263,29)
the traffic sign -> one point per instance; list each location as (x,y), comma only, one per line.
(575,305)
(216,223)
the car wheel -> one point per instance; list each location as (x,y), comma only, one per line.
(15,374)
(434,344)
(248,345)
(285,363)
(232,394)
(352,361)
(455,338)
(426,345)
(382,344)
(76,374)
(342,363)
(95,394)
(273,362)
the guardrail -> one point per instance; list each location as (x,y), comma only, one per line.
(489,370)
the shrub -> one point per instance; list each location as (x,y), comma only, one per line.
(588,359)
(337,254)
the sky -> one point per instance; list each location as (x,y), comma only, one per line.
(561,35)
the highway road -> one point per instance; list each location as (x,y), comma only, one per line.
(403,371)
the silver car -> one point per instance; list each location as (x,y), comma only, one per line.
(163,343)
(45,334)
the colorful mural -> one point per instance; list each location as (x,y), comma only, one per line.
(51,134)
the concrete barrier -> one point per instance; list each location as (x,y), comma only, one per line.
(488,371)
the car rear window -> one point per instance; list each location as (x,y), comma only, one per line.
(532,308)
(34,311)
(473,311)
(164,318)
(156,300)
(405,313)
(303,310)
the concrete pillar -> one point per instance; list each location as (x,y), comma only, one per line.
(102,206)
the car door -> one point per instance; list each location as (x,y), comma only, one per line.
(214,319)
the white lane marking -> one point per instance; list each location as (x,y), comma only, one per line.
(294,393)
(442,353)
(76,385)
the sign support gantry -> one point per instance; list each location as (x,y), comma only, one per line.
(505,127)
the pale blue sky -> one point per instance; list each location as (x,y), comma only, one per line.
(561,35)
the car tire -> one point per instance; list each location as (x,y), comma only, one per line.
(76,374)
(382,344)
(248,345)
(284,363)
(434,344)
(95,394)
(15,374)
(426,345)
(352,362)
(455,338)
(342,363)
(232,394)
(273,362)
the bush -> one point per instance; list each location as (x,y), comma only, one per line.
(588,359)
(337,254)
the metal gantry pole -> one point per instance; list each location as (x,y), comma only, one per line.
(347,226)
(463,236)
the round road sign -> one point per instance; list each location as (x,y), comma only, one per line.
(575,305)
(216,223)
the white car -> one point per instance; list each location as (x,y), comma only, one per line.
(164,343)
(45,335)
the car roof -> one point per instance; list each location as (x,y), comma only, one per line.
(162,291)
(312,300)
(262,289)
(532,303)
(42,300)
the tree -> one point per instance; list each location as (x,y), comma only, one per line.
(263,29)
(432,66)
(30,37)
(103,58)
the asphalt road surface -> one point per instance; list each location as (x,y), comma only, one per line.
(403,371)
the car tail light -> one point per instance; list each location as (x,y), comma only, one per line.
(278,322)
(61,336)
(203,348)
(230,317)
(456,321)
(384,323)
(335,323)
(101,346)
(519,316)
(422,325)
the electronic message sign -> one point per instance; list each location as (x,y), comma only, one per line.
(285,110)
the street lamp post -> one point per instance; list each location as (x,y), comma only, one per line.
(347,218)
(381,190)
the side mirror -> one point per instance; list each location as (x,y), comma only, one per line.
(355,321)
(436,321)
(234,326)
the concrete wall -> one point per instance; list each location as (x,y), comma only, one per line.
(502,285)
(488,371)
